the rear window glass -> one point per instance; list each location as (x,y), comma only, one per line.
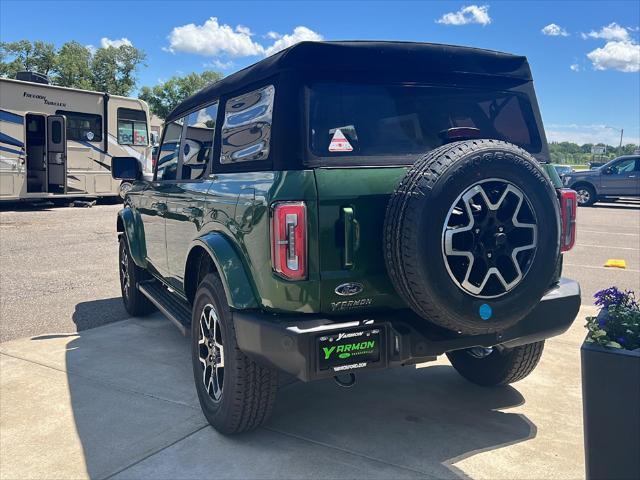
(348,120)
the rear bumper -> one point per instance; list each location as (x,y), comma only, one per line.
(291,343)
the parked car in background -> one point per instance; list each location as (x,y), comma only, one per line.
(618,178)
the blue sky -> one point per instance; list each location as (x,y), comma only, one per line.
(585,63)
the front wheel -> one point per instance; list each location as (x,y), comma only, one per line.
(586,195)
(135,303)
(236,394)
(495,367)
(124,189)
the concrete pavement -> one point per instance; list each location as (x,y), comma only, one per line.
(119,401)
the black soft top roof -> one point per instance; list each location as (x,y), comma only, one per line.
(427,59)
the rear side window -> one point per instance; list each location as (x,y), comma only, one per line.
(82,127)
(168,158)
(132,127)
(246,132)
(198,142)
(348,120)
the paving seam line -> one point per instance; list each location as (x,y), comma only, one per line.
(154,452)
(101,382)
(350,452)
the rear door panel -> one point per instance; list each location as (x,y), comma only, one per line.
(351,207)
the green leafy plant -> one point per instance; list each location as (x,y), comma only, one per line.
(617,325)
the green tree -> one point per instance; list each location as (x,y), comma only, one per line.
(164,97)
(73,66)
(26,56)
(114,69)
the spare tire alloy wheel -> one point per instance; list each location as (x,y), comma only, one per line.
(489,238)
(472,236)
(211,352)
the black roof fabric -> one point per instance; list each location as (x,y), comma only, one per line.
(363,56)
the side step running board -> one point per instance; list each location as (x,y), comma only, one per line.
(169,304)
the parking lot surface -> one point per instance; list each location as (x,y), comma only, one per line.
(606,231)
(118,401)
(59,270)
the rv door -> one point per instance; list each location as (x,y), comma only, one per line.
(57,153)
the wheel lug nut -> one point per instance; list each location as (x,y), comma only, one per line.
(489,255)
(501,229)
(477,230)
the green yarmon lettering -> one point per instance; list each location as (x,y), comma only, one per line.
(349,347)
(328,351)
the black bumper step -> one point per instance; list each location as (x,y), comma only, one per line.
(169,304)
(296,343)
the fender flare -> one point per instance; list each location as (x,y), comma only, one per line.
(238,287)
(130,225)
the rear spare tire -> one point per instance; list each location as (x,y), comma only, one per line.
(472,236)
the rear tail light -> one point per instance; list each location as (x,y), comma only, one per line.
(568,206)
(289,240)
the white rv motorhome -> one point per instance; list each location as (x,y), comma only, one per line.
(58,141)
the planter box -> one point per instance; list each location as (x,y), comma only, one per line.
(611,412)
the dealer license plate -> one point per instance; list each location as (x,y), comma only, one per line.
(346,351)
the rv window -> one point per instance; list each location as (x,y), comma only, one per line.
(56,132)
(246,132)
(132,127)
(168,156)
(198,143)
(83,127)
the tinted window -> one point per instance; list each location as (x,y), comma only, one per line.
(132,127)
(168,157)
(347,120)
(83,127)
(198,143)
(625,166)
(246,132)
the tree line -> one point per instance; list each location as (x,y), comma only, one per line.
(574,154)
(111,69)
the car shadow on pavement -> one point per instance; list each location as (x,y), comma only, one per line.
(425,419)
(132,395)
(98,312)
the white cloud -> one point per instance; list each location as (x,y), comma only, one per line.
(300,34)
(116,43)
(554,30)
(574,67)
(613,31)
(623,56)
(212,38)
(466,15)
(92,48)
(215,39)
(593,133)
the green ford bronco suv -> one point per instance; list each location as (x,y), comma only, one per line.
(349,206)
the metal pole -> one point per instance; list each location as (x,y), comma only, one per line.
(621,132)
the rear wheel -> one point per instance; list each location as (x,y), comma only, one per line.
(134,301)
(236,394)
(494,367)
(586,195)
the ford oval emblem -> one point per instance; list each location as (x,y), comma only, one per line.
(349,289)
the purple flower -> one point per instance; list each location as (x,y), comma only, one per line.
(613,296)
